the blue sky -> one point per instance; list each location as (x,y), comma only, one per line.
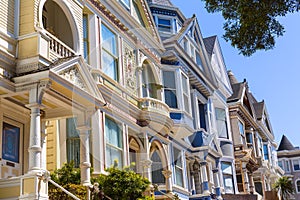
(272,75)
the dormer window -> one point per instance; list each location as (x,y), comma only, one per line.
(164,25)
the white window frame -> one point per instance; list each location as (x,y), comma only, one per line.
(121,149)
(116,57)
(242,132)
(293,163)
(178,167)
(287,165)
(175,89)
(157,17)
(185,93)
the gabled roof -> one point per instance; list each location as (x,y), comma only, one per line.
(259,108)
(161,2)
(209,43)
(237,89)
(285,144)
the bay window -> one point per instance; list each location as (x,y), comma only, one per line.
(109,53)
(227,177)
(221,122)
(170,89)
(296,166)
(185,92)
(114,143)
(266,152)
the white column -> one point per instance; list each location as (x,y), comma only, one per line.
(35,138)
(217,183)
(204,178)
(167,173)
(246,180)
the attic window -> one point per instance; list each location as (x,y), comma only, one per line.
(164,25)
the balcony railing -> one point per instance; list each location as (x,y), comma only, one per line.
(154,105)
(58,49)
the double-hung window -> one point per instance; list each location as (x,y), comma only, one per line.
(266,152)
(164,25)
(114,143)
(109,53)
(177,161)
(287,166)
(242,131)
(227,177)
(296,165)
(170,89)
(221,122)
(85,37)
(73,142)
(185,92)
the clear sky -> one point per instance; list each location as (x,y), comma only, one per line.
(272,75)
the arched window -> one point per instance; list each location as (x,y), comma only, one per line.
(298,186)
(157,168)
(149,86)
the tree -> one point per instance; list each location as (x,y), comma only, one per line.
(252,25)
(285,186)
(123,184)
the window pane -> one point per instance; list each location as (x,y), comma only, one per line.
(179,176)
(109,41)
(170,98)
(249,138)
(112,155)
(199,61)
(221,122)
(287,165)
(73,142)
(164,25)
(241,128)
(184,84)
(177,157)
(228,177)
(169,79)
(266,152)
(296,164)
(280,164)
(113,133)
(156,167)
(109,65)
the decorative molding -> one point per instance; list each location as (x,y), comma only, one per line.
(73,75)
(130,69)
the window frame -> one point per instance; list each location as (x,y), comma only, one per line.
(228,175)
(174,90)
(185,94)
(73,140)
(178,168)
(163,27)
(85,35)
(115,57)
(112,146)
(224,121)
(293,163)
(241,127)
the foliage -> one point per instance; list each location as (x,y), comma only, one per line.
(252,25)
(69,178)
(285,186)
(123,184)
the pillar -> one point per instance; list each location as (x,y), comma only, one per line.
(35,138)
(167,173)
(217,183)
(205,185)
(245,179)
(196,173)
(251,184)
(146,167)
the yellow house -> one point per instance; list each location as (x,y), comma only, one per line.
(78,78)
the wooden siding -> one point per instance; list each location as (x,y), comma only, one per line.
(7,16)
(51,146)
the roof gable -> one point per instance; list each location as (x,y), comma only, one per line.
(75,71)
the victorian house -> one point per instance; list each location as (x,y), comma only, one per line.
(80,80)
(253,139)
(288,159)
(196,87)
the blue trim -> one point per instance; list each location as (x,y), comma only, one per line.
(200,198)
(218,192)
(205,185)
(176,116)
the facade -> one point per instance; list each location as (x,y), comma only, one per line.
(128,80)
(254,145)
(288,160)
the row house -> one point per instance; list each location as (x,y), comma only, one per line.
(254,145)
(95,81)
(196,87)
(288,160)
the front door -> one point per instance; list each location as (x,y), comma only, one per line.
(11,151)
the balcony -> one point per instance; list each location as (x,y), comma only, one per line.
(154,105)
(58,49)
(155,113)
